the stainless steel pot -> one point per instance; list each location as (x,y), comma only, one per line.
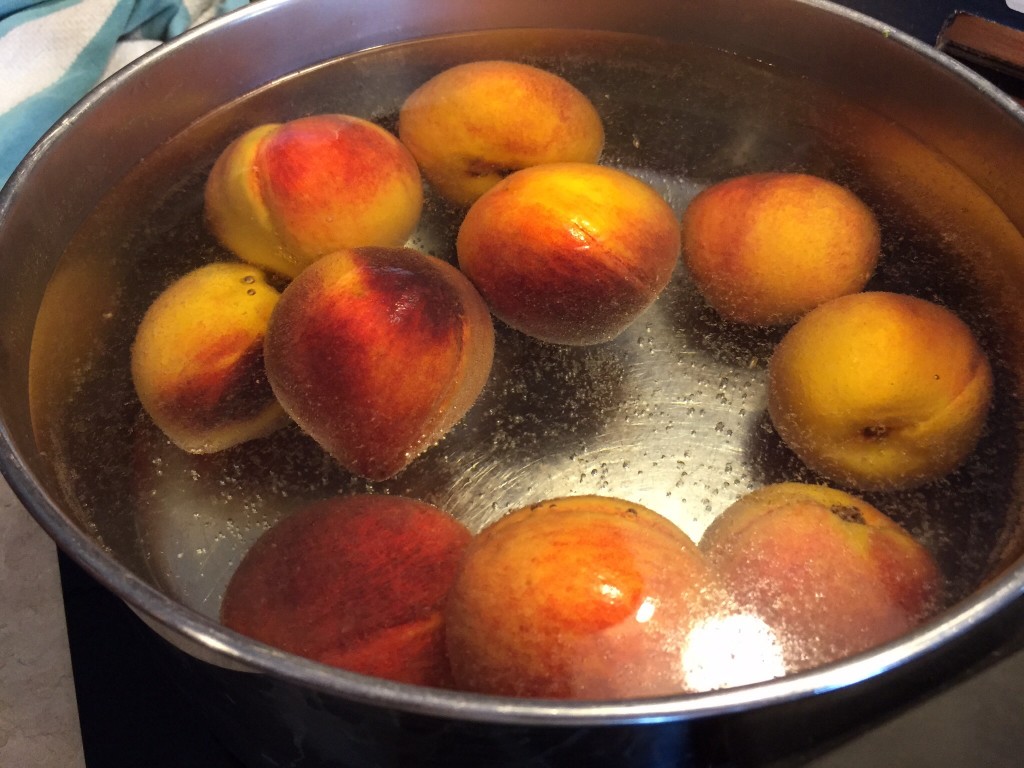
(88,221)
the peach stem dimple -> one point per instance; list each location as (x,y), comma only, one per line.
(848,514)
(480,167)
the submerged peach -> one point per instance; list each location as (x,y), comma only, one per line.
(880,391)
(283,194)
(764,249)
(473,124)
(569,253)
(829,573)
(197,359)
(357,582)
(377,352)
(579,597)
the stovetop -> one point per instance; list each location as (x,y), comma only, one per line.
(132,717)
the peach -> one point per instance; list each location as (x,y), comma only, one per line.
(764,249)
(356,582)
(569,253)
(197,359)
(578,597)
(880,391)
(828,572)
(377,352)
(473,124)
(283,194)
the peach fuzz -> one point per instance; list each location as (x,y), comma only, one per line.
(377,352)
(764,249)
(580,597)
(880,391)
(828,572)
(356,582)
(569,253)
(473,124)
(283,194)
(197,359)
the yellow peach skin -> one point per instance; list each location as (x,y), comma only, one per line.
(880,391)
(569,253)
(766,248)
(473,124)
(283,194)
(924,185)
(582,597)
(377,352)
(828,572)
(197,359)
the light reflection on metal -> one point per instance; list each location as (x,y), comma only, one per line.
(732,649)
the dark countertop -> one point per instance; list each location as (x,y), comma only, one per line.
(924,18)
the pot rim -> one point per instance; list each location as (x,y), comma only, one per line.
(147,600)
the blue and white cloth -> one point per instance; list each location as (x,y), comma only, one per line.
(52,52)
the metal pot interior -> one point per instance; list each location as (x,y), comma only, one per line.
(670,415)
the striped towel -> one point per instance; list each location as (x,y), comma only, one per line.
(52,52)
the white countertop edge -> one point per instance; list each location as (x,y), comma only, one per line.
(38,712)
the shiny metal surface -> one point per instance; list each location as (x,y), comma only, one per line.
(669,415)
